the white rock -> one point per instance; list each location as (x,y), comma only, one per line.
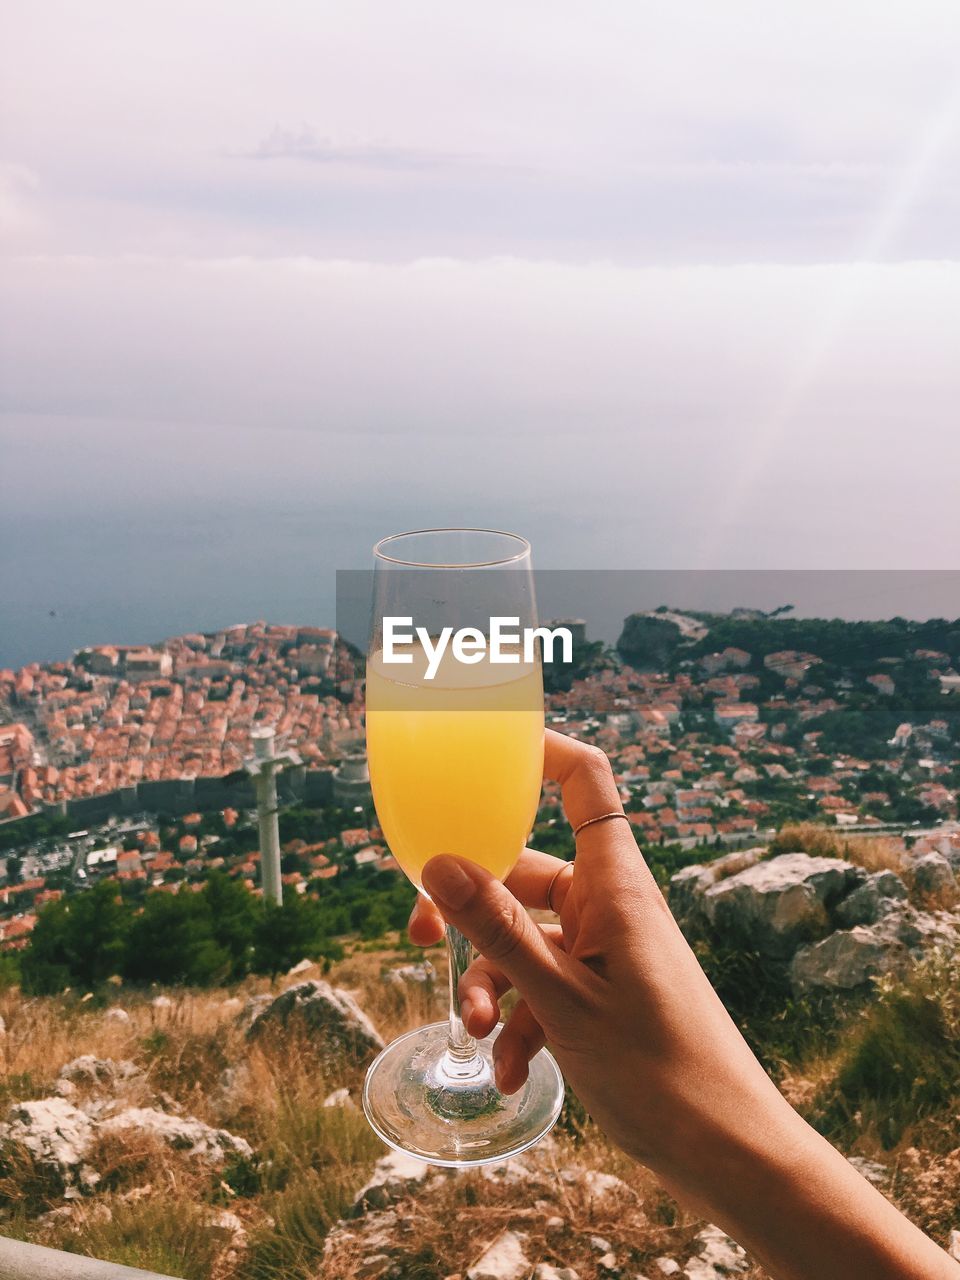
(848,959)
(503,1260)
(339,1098)
(600,1185)
(372,1236)
(421,974)
(933,874)
(777,905)
(689,885)
(162,1002)
(117,1015)
(544,1271)
(229,1225)
(55,1132)
(331,1014)
(3,1027)
(251,1009)
(599,1244)
(511,1172)
(667,1266)
(301,967)
(233,1004)
(184,1133)
(394,1177)
(868,902)
(876,1173)
(91,1070)
(718,1256)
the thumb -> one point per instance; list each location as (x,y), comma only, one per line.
(487,913)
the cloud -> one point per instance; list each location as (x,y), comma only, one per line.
(673,134)
(18,187)
(305,144)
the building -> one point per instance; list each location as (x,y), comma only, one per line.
(147,664)
(882,683)
(729,714)
(730,659)
(351,782)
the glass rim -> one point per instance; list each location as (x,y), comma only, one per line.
(380,554)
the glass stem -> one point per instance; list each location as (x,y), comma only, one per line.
(462,1058)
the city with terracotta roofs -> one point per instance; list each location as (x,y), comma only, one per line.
(102,753)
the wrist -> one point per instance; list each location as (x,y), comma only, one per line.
(796,1204)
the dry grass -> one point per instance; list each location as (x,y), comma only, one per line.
(733,864)
(168,1232)
(156,1208)
(153,1205)
(445,1228)
(873,853)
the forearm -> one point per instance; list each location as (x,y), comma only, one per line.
(795,1203)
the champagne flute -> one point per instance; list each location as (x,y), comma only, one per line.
(456,763)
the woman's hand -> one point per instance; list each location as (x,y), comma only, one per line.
(615,989)
(649,1048)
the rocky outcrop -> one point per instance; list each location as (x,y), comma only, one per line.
(848,959)
(182,1133)
(933,874)
(330,1014)
(394,1177)
(829,925)
(58,1136)
(871,900)
(558,1220)
(689,885)
(780,903)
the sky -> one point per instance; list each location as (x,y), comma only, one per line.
(666,286)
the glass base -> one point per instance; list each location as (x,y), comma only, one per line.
(426,1103)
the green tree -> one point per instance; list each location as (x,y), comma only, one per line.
(80,941)
(172,940)
(290,933)
(234,913)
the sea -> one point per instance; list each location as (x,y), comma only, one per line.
(112,533)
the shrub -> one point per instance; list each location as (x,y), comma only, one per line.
(903,1060)
(780,1029)
(289,933)
(172,940)
(80,939)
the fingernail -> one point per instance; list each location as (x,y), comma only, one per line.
(447,882)
(466,1011)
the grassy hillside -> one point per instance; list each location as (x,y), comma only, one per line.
(887,1089)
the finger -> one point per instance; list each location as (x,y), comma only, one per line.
(425,925)
(480,990)
(531,878)
(521,1038)
(487,913)
(483,985)
(589,790)
(586,779)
